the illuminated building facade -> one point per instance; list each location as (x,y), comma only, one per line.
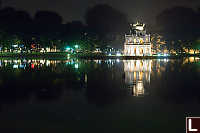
(138,42)
(137,75)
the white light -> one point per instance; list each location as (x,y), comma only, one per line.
(139,27)
(47,63)
(165,60)
(76,46)
(15,66)
(22,66)
(15,46)
(76,66)
(118,54)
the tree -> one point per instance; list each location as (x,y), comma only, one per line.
(185,24)
(196,45)
(105,20)
(47,17)
(47,22)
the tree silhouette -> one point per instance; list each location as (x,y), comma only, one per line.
(0,3)
(13,21)
(103,20)
(47,17)
(179,23)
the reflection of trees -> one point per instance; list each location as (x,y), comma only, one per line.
(47,82)
(102,82)
(105,85)
(179,84)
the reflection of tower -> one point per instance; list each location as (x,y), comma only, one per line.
(138,89)
(137,75)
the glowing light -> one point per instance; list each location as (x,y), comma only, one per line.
(86,78)
(15,66)
(47,63)
(42,61)
(140,28)
(109,54)
(32,66)
(21,66)
(15,46)
(118,54)
(76,66)
(48,49)
(68,48)
(76,46)
(165,60)
(138,89)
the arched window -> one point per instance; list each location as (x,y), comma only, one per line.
(141,41)
(135,51)
(141,51)
(147,50)
(135,41)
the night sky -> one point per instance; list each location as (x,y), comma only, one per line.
(143,10)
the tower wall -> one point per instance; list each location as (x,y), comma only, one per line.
(137,43)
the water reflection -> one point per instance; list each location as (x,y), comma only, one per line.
(36,63)
(137,74)
(76,94)
(191,60)
(95,79)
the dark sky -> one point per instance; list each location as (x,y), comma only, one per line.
(144,10)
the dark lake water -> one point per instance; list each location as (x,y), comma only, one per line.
(62,96)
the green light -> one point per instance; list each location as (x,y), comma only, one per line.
(76,46)
(68,48)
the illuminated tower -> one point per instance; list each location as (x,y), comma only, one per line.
(137,43)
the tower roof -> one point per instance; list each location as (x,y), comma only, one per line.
(138,26)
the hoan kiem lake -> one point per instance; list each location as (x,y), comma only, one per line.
(62,96)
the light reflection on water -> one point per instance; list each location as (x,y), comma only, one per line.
(136,74)
(64,92)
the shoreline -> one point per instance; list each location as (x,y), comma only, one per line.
(64,55)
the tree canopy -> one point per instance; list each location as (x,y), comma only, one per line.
(179,23)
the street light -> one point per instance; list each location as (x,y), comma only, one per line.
(76,46)
(68,48)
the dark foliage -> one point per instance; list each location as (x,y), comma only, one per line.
(180,23)
(103,20)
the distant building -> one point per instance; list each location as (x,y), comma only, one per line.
(138,42)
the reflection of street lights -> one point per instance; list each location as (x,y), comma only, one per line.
(76,66)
